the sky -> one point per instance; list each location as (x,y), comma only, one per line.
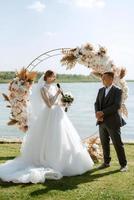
(31,27)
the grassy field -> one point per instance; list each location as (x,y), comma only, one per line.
(106,184)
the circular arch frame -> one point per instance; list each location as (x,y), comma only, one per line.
(45,56)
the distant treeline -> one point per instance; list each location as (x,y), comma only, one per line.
(7,76)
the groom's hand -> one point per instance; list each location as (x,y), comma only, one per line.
(100,119)
(99,114)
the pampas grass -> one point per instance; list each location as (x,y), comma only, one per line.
(122,73)
(94,148)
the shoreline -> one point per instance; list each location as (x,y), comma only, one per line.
(19,141)
(72,81)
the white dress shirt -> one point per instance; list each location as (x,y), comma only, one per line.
(107,90)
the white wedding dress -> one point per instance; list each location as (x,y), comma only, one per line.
(52,147)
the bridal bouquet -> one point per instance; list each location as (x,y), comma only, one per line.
(17,98)
(67,99)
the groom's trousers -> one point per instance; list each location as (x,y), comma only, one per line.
(115,134)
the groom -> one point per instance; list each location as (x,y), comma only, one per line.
(107,105)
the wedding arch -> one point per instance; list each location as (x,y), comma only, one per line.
(96,59)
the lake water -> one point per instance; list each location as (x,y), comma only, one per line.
(81,112)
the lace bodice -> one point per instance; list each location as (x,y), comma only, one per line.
(49,94)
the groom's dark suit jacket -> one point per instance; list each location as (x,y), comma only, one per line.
(110,105)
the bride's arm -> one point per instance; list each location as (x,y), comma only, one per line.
(54,98)
(49,101)
(45,97)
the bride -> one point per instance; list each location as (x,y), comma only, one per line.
(52,147)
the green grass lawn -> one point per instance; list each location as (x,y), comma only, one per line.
(107,184)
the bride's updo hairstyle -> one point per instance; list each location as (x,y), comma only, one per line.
(47,74)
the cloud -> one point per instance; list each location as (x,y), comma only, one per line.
(37,6)
(85,3)
(50,34)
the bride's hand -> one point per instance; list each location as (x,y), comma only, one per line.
(59,91)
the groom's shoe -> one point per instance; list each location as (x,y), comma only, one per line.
(124,169)
(103,166)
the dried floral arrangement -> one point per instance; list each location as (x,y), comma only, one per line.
(94,148)
(99,62)
(18,96)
